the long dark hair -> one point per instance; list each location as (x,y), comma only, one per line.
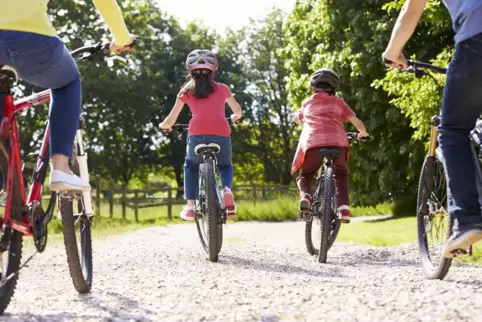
(200,83)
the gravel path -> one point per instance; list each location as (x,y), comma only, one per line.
(264,274)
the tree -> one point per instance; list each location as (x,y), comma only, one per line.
(349,36)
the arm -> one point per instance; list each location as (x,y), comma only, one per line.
(408,19)
(359,126)
(172,117)
(299,117)
(112,15)
(235,107)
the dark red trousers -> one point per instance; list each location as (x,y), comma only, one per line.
(313,162)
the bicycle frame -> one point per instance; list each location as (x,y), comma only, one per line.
(9,132)
(212,158)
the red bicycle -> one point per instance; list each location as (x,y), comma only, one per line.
(23,214)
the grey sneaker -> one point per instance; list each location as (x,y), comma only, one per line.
(461,241)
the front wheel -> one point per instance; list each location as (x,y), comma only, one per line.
(434,223)
(75,222)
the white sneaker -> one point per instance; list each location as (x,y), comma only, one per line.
(61,181)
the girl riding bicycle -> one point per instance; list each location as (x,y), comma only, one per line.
(322,116)
(206,99)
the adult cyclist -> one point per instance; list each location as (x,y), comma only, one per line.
(29,43)
(461,106)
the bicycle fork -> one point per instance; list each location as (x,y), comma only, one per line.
(83,169)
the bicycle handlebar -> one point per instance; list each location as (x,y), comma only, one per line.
(180,128)
(353,136)
(96,52)
(414,68)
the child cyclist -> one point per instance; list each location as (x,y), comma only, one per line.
(322,116)
(206,99)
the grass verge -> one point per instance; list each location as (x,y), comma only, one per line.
(393,232)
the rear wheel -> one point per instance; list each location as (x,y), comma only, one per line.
(12,255)
(76,223)
(326,214)
(434,223)
(313,227)
(213,212)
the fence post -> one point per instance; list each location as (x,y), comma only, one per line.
(136,206)
(169,202)
(111,199)
(124,201)
(255,194)
(97,194)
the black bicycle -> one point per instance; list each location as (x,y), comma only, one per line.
(434,222)
(210,211)
(324,209)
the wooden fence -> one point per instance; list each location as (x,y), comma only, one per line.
(167,196)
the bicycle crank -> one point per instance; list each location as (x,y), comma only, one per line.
(39,221)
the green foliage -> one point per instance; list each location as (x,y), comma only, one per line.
(349,36)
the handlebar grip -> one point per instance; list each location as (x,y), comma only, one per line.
(133,44)
(387,61)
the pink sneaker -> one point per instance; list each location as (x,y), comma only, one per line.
(305,202)
(228,201)
(345,214)
(188,213)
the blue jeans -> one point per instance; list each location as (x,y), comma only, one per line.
(191,166)
(462,105)
(44,61)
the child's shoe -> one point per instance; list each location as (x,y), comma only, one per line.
(188,212)
(228,201)
(305,202)
(345,214)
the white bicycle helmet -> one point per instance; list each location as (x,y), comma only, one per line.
(201,59)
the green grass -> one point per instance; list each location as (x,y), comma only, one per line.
(393,232)
(380,233)
(286,208)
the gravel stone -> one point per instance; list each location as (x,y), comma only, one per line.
(264,274)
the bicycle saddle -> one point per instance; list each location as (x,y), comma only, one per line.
(207,148)
(7,72)
(330,153)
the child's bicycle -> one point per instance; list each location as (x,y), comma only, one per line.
(210,211)
(323,219)
(23,214)
(434,222)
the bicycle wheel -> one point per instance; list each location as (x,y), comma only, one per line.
(434,223)
(14,249)
(313,226)
(213,212)
(80,265)
(326,214)
(201,218)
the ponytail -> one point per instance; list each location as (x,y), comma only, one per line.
(200,83)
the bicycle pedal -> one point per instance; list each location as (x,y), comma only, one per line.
(70,195)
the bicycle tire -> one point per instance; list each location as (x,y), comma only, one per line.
(212,211)
(80,267)
(326,214)
(425,188)
(334,230)
(15,250)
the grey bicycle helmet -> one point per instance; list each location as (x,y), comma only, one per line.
(201,59)
(325,77)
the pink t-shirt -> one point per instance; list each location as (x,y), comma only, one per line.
(208,116)
(323,116)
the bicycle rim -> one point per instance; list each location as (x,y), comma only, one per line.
(434,223)
(214,227)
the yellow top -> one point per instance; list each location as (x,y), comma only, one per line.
(31,16)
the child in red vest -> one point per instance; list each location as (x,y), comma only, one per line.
(322,116)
